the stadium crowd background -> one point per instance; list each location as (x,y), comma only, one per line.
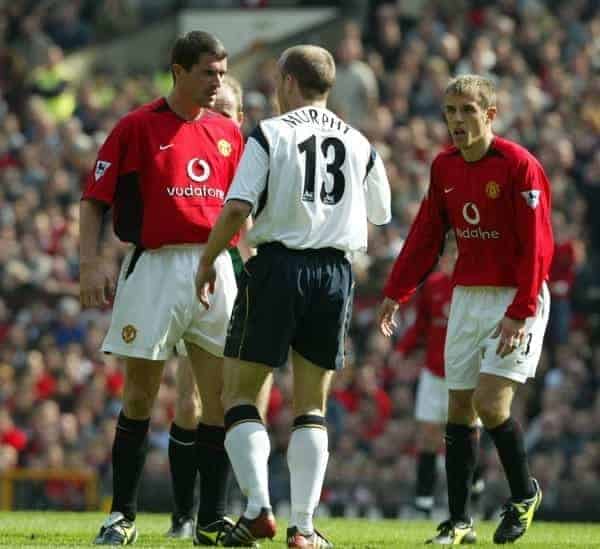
(59,396)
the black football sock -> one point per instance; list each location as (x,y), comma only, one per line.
(215,473)
(426,476)
(128,456)
(508,439)
(182,461)
(462,444)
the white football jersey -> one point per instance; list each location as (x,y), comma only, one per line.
(313,181)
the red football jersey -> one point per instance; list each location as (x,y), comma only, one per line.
(431,322)
(499,208)
(165,177)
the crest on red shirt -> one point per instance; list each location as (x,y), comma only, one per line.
(224,147)
(101,167)
(532,198)
(492,189)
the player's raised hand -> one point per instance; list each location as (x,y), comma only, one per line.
(96,285)
(205,282)
(387,322)
(511,332)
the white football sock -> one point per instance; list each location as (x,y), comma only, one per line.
(307,459)
(248,448)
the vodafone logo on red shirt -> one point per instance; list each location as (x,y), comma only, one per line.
(471,213)
(198,170)
(472,216)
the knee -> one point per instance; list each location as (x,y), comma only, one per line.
(309,401)
(308,408)
(228,398)
(188,411)
(430,437)
(231,399)
(213,410)
(238,392)
(137,403)
(461,411)
(490,410)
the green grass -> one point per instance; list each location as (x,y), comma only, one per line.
(40,529)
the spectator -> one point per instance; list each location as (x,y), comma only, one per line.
(355,92)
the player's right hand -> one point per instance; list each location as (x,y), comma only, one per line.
(96,285)
(387,322)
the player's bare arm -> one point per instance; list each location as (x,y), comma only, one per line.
(96,286)
(229,223)
(246,251)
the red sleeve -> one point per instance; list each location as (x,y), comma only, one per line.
(116,156)
(534,233)
(411,338)
(422,248)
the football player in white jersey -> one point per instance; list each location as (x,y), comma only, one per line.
(312,182)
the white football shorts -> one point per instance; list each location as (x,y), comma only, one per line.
(475,312)
(431,403)
(156,305)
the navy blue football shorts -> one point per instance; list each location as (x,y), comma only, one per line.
(292,298)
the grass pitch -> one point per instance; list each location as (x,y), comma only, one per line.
(50,529)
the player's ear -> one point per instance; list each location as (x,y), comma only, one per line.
(491,113)
(288,81)
(177,69)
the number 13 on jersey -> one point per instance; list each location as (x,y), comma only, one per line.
(333,187)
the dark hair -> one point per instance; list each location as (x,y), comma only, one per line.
(313,68)
(188,48)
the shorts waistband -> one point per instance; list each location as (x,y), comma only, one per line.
(175,247)
(312,252)
(485,289)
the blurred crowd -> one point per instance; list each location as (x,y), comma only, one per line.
(59,396)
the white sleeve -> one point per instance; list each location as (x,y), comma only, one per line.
(377,191)
(251,175)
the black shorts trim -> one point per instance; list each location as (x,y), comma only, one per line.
(135,256)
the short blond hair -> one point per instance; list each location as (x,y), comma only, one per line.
(480,87)
(312,66)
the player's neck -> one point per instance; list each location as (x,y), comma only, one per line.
(301,102)
(478,149)
(183,107)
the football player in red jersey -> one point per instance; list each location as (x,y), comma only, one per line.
(165,170)
(431,404)
(182,451)
(495,195)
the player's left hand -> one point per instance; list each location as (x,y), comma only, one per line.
(387,310)
(511,332)
(205,282)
